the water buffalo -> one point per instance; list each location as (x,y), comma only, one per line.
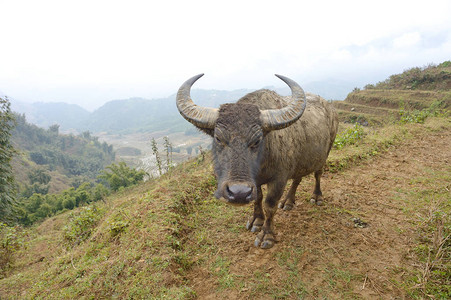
(262,139)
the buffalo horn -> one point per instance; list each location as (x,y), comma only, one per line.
(202,117)
(273,119)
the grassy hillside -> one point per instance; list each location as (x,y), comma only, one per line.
(69,159)
(414,89)
(384,231)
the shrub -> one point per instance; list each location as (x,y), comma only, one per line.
(419,116)
(349,137)
(10,241)
(121,175)
(80,225)
(117,224)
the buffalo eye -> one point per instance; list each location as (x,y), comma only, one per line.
(255,144)
(220,141)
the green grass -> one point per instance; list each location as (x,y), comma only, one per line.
(349,137)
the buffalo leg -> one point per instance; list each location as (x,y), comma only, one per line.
(288,202)
(317,197)
(265,239)
(255,222)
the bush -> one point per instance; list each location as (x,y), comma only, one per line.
(10,241)
(419,116)
(121,175)
(349,137)
(80,225)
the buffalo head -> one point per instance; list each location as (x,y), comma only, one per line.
(238,131)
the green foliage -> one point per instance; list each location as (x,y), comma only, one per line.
(80,158)
(35,188)
(120,175)
(40,206)
(349,137)
(7,185)
(430,77)
(39,175)
(72,155)
(39,182)
(80,225)
(419,116)
(369,87)
(118,223)
(10,241)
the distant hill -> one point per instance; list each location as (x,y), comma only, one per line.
(68,116)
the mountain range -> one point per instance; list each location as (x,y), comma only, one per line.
(144,115)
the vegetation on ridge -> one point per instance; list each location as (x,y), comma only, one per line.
(431,77)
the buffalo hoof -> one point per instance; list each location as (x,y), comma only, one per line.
(286,206)
(264,241)
(318,202)
(317,199)
(254,224)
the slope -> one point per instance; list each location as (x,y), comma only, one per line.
(171,239)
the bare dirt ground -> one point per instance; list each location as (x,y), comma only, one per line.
(358,245)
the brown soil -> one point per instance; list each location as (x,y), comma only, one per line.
(359,244)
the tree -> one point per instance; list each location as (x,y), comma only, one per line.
(121,175)
(39,175)
(7,184)
(168,149)
(157,155)
(54,129)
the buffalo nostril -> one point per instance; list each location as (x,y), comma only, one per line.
(239,192)
(230,195)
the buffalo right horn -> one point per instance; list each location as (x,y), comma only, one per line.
(274,119)
(202,117)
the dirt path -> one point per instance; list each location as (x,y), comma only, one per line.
(359,245)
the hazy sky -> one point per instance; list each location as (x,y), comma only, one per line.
(90,52)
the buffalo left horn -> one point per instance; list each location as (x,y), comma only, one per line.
(273,119)
(202,117)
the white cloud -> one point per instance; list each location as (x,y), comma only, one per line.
(407,40)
